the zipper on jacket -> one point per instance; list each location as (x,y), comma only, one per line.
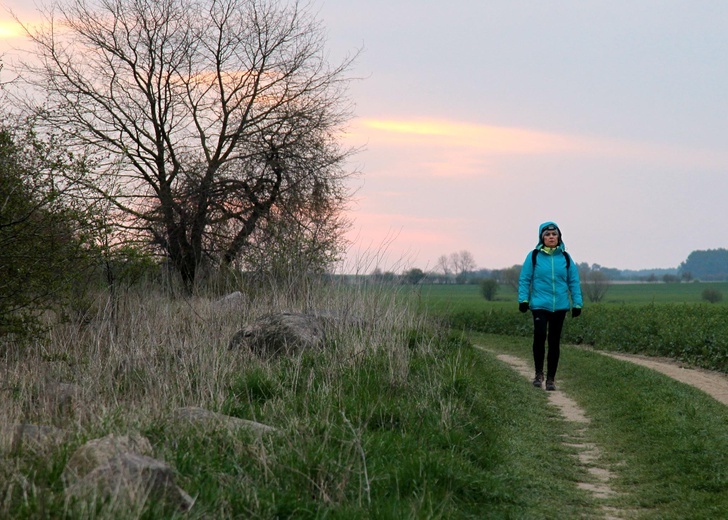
(553,284)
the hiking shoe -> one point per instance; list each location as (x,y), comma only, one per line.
(550,386)
(538,380)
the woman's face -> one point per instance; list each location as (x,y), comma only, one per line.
(551,238)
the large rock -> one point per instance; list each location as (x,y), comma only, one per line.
(204,419)
(281,333)
(133,479)
(98,452)
(230,300)
(121,468)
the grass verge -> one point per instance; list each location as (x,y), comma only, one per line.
(461,437)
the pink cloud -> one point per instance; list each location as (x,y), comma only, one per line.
(443,147)
(395,241)
(486,138)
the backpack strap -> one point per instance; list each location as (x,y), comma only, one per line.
(534,256)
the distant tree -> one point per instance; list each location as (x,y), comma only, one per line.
(584,270)
(686,276)
(379,276)
(707,265)
(481,273)
(462,263)
(413,276)
(595,285)
(489,288)
(611,273)
(670,278)
(510,276)
(443,265)
(712,295)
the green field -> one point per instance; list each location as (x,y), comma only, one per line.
(453,298)
(657,319)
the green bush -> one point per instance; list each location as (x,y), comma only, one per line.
(712,295)
(489,288)
(42,249)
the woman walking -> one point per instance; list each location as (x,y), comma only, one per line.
(549,287)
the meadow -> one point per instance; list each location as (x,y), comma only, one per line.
(454,298)
(397,417)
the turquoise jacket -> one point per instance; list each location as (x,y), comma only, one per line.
(549,285)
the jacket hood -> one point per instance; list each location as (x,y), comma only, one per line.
(543,226)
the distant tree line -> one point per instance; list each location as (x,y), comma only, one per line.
(460,268)
(706,265)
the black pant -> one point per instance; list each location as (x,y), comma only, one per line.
(547,325)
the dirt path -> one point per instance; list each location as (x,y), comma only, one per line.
(587,454)
(715,384)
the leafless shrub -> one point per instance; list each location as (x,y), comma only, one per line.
(595,285)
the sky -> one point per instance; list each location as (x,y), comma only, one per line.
(477,120)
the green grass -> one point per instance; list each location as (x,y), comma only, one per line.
(456,438)
(396,418)
(666,441)
(460,435)
(690,292)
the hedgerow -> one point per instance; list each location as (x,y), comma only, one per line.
(693,333)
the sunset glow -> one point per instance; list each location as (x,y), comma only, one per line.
(493,139)
(9,30)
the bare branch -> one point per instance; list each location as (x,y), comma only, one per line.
(214,114)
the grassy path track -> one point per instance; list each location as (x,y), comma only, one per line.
(587,454)
(653,445)
(715,384)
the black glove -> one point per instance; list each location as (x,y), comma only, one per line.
(523,306)
(575,312)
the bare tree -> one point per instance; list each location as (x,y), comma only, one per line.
(443,264)
(511,275)
(462,262)
(596,284)
(215,119)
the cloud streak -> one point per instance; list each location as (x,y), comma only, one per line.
(442,142)
(492,139)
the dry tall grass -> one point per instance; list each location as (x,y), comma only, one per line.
(154,353)
(128,363)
